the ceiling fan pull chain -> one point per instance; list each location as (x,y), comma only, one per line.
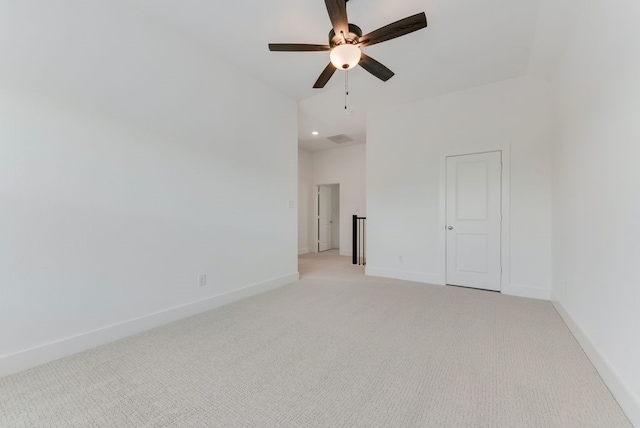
(346,88)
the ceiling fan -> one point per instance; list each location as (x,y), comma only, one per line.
(345,41)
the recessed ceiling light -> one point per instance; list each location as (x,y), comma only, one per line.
(315,133)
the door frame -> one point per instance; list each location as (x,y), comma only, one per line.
(505,249)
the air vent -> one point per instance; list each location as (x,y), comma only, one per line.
(340,139)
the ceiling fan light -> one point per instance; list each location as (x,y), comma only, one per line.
(345,57)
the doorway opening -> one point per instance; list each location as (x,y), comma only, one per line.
(328,217)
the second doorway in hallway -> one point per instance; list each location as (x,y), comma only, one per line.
(328,217)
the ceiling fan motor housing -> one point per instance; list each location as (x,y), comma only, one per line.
(352,38)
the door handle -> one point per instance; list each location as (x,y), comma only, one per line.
(450,227)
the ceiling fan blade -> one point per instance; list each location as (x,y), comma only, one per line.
(297,47)
(375,68)
(325,76)
(395,29)
(338,14)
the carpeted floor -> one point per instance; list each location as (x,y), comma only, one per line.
(333,350)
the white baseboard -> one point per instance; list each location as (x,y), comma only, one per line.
(431,278)
(302,251)
(426,278)
(621,392)
(33,357)
(345,253)
(526,291)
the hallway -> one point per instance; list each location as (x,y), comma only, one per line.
(329,265)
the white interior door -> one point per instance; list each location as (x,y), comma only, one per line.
(474,217)
(324,218)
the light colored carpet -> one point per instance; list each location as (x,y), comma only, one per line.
(333,350)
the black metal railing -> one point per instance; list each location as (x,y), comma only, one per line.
(359,229)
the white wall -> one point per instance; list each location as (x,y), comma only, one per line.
(406,146)
(128,168)
(597,193)
(305,201)
(345,166)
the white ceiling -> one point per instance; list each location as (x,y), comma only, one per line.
(467,43)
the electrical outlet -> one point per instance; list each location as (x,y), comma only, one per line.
(202,280)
